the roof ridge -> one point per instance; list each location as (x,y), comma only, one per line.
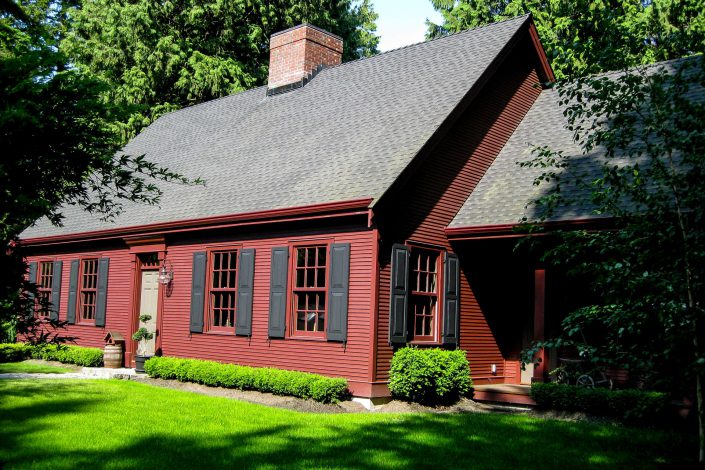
(428,41)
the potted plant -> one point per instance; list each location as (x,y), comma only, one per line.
(142,335)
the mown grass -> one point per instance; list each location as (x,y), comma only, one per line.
(116,424)
(31,368)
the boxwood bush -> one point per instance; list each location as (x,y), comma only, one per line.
(68,354)
(430,375)
(276,381)
(14,352)
(630,405)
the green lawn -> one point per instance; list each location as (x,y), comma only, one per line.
(121,424)
(31,368)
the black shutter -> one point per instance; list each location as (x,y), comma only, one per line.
(56,291)
(399,298)
(451,300)
(277,292)
(73,287)
(338,292)
(198,291)
(101,299)
(245,280)
(30,295)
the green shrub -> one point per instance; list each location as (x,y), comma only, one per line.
(69,354)
(276,381)
(14,352)
(633,406)
(429,375)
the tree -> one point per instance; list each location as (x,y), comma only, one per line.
(162,56)
(59,143)
(643,130)
(584,37)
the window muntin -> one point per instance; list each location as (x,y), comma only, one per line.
(423,298)
(223,291)
(88,290)
(310,290)
(45,281)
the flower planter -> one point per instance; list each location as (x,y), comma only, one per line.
(139,363)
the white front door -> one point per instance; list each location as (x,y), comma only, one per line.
(148,306)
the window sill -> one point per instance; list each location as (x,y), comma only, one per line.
(220,333)
(426,343)
(307,338)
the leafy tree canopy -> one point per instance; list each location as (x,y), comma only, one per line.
(162,56)
(583,37)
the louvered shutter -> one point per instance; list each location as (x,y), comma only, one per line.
(56,291)
(277,292)
(73,288)
(399,298)
(30,295)
(198,291)
(245,280)
(337,329)
(451,300)
(101,300)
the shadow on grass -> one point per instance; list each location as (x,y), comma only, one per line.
(275,438)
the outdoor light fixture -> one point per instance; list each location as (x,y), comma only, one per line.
(494,369)
(166,273)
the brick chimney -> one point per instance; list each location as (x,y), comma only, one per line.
(297,54)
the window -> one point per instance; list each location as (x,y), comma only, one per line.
(309,290)
(223,289)
(88,290)
(45,279)
(423,298)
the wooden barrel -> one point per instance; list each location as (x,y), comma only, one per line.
(112,356)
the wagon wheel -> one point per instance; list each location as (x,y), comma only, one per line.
(585,381)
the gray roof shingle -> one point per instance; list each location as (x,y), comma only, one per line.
(347,134)
(503,194)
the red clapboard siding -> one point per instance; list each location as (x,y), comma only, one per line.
(351,360)
(118,298)
(431,199)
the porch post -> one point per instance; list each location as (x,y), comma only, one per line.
(539,330)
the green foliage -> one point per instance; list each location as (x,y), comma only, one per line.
(59,141)
(429,375)
(14,352)
(630,405)
(583,37)
(69,354)
(162,56)
(276,381)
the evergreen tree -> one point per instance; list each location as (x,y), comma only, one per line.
(162,56)
(583,37)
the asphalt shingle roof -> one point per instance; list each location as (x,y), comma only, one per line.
(346,135)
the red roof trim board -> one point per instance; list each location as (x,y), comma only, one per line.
(510,230)
(315,211)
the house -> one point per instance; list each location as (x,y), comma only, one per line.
(349,209)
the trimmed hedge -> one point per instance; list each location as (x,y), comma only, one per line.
(276,381)
(14,352)
(629,405)
(68,354)
(430,375)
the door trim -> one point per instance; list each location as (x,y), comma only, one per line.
(136,281)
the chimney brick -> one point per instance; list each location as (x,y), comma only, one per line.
(296,52)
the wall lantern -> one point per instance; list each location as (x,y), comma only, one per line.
(166,273)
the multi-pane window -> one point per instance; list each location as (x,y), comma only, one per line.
(45,279)
(309,290)
(223,290)
(423,300)
(88,290)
